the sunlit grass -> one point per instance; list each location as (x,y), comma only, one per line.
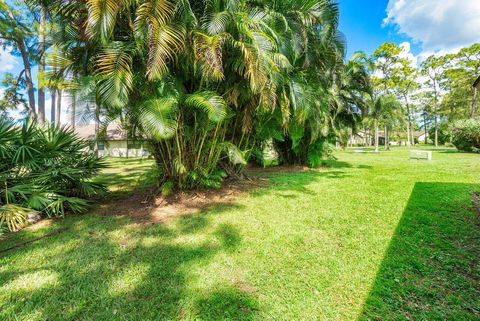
(371,237)
(123,175)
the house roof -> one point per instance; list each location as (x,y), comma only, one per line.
(419,134)
(477,82)
(113,132)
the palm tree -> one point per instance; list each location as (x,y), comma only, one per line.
(194,77)
(384,109)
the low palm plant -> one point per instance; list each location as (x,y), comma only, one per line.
(43,169)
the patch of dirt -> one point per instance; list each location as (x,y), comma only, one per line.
(280,169)
(151,209)
(245,287)
(476,201)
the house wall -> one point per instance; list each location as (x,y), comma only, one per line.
(118,148)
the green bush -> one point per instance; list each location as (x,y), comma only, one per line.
(444,133)
(466,135)
(43,169)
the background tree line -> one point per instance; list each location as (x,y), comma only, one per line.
(432,96)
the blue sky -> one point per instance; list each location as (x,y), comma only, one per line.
(362,23)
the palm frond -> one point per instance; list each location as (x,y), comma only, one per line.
(164,42)
(158,117)
(209,102)
(114,69)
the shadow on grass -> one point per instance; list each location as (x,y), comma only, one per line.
(103,268)
(107,268)
(431,270)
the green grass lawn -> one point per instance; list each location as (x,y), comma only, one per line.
(373,237)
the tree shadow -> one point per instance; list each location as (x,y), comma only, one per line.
(104,267)
(229,303)
(431,269)
(96,276)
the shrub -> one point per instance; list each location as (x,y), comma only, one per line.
(43,169)
(444,133)
(466,135)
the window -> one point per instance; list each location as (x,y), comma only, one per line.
(101,146)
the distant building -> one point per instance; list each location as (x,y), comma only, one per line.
(420,136)
(113,141)
(361,138)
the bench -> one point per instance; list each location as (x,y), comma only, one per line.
(421,154)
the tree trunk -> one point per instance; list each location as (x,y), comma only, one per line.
(22,47)
(28,78)
(97,128)
(365,138)
(386,143)
(410,139)
(435,112)
(58,112)
(53,93)
(408,134)
(73,110)
(41,65)
(425,127)
(474,102)
(376,136)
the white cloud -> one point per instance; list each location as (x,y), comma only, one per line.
(439,25)
(8,62)
(407,54)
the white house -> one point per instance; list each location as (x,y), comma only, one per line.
(113,142)
(420,136)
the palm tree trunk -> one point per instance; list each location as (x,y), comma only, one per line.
(41,65)
(376,136)
(126,137)
(97,128)
(53,94)
(58,111)
(73,110)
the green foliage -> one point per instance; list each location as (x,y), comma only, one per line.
(466,135)
(444,133)
(167,188)
(43,169)
(13,217)
(461,69)
(200,78)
